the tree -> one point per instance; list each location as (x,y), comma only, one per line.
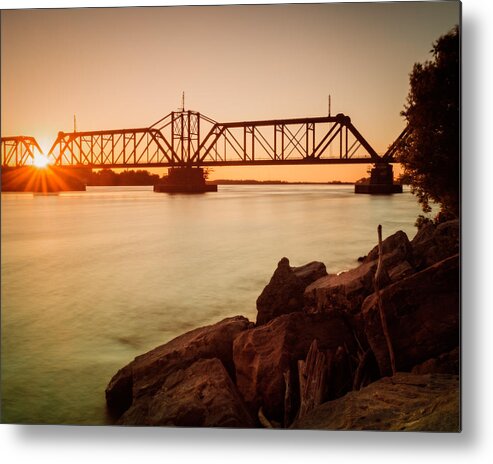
(431,153)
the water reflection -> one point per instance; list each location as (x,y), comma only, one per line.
(92,279)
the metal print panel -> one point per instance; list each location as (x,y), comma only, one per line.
(232,216)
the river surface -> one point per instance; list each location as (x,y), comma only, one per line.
(92,279)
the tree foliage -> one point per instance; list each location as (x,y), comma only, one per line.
(431,153)
(109,177)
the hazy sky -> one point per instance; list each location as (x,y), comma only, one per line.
(127,67)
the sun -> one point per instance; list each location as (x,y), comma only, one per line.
(40,161)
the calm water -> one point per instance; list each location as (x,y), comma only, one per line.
(92,279)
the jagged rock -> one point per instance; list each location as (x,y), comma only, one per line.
(119,391)
(397,244)
(346,291)
(422,313)
(201,395)
(343,292)
(284,292)
(147,373)
(446,363)
(400,271)
(263,354)
(403,402)
(435,243)
(310,272)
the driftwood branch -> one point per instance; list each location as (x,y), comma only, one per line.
(330,377)
(359,375)
(263,420)
(287,398)
(312,378)
(383,319)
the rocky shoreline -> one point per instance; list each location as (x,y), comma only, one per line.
(317,356)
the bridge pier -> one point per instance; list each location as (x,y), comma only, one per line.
(185,180)
(50,179)
(381,181)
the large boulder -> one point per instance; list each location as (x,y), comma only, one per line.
(201,395)
(346,291)
(422,313)
(284,293)
(434,243)
(146,373)
(342,292)
(397,244)
(404,402)
(446,363)
(263,354)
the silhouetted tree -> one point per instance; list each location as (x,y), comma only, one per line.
(403,179)
(108,177)
(431,153)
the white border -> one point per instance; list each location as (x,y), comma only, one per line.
(60,444)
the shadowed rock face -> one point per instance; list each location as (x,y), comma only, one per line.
(446,363)
(435,243)
(343,292)
(422,314)
(147,373)
(263,354)
(406,402)
(284,293)
(201,395)
(347,291)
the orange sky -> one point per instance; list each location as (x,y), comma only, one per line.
(127,67)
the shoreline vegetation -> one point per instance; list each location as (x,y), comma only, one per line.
(273,182)
(372,348)
(107,177)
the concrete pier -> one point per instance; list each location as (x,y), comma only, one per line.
(381,181)
(185,180)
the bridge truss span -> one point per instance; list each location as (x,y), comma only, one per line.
(188,138)
(19,151)
(289,141)
(112,148)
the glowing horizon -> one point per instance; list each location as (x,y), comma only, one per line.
(127,67)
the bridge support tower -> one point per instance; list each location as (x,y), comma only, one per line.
(185,180)
(381,181)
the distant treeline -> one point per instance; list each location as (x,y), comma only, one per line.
(143,177)
(273,182)
(109,177)
(402,179)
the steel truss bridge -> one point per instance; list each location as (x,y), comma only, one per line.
(190,139)
(19,151)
